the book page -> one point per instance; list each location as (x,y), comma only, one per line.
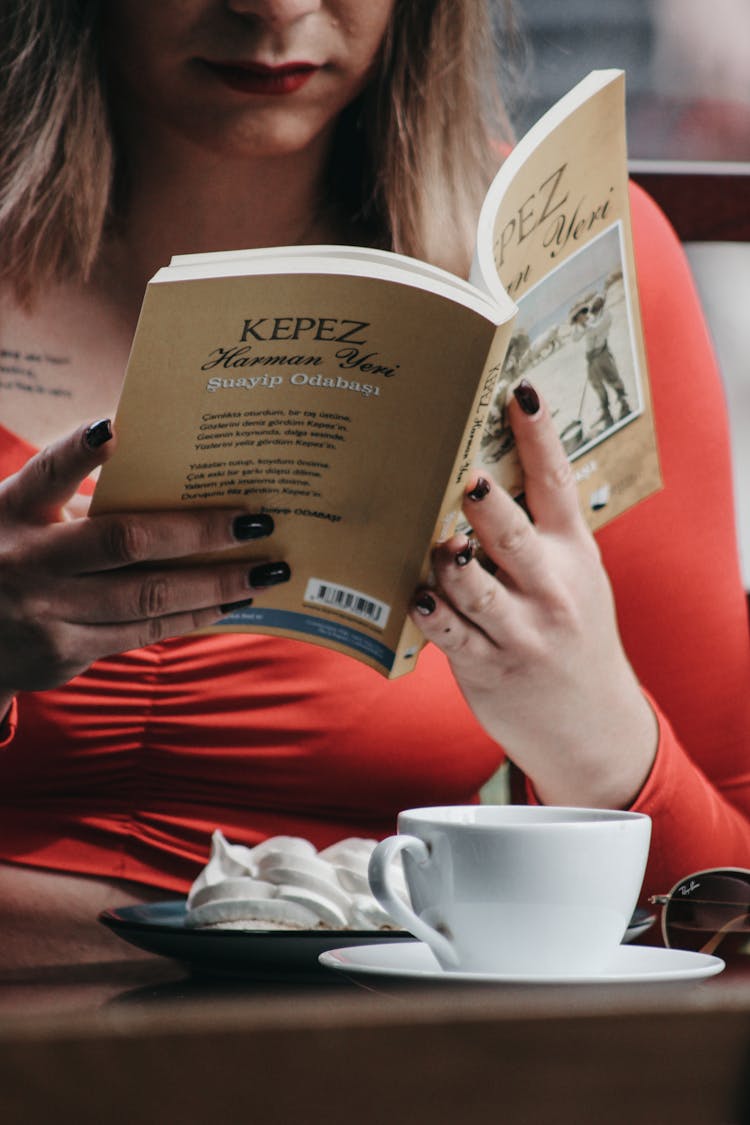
(351,261)
(309,256)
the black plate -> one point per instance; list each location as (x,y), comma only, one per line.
(159,927)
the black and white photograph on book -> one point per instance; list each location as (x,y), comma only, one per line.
(574,337)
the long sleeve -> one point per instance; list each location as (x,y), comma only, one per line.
(674,568)
(696,825)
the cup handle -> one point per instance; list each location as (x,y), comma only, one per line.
(378,874)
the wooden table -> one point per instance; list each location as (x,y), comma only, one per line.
(135,1043)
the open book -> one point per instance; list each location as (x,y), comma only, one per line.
(349,392)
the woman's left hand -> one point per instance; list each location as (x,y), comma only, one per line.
(535,646)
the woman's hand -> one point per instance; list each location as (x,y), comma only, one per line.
(73,589)
(535,646)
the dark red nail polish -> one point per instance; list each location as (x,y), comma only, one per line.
(465,555)
(526,397)
(425,604)
(270,574)
(230,607)
(97,434)
(253,526)
(480,489)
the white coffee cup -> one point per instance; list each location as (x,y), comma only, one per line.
(515,889)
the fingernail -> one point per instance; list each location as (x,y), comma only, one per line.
(465,555)
(252,526)
(270,574)
(480,489)
(97,434)
(230,607)
(526,397)
(425,604)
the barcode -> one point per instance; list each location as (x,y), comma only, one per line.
(353,602)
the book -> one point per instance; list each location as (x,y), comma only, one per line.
(349,392)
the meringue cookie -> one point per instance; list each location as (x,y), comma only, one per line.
(285,883)
(239,889)
(260,914)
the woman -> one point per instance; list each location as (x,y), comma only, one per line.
(261,122)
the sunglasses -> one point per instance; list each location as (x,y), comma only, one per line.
(708,912)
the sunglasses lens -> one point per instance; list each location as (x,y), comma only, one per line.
(710,911)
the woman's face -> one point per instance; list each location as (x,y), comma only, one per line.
(241,77)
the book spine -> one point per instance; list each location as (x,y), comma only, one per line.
(411,639)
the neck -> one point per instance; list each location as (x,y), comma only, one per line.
(193,201)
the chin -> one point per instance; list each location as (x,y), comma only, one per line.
(257,136)
(254,132)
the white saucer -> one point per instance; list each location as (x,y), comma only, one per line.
(414,960)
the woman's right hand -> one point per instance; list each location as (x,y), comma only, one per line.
(75,588)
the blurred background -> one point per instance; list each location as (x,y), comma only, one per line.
(687,64)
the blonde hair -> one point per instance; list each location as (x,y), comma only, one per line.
(56,151)
(437,127)
(412,158)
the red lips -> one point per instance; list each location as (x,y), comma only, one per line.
(259,78)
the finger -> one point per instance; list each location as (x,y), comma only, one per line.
(87,643)
(124,539)
(38,491)
(465,645)
(507,538)
(549,481)
(146,594)
(475,595)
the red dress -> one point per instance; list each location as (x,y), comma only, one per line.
(126,770)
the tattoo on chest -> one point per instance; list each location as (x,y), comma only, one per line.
(34,373)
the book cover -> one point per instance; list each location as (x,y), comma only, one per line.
(348,392)
(554,233)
